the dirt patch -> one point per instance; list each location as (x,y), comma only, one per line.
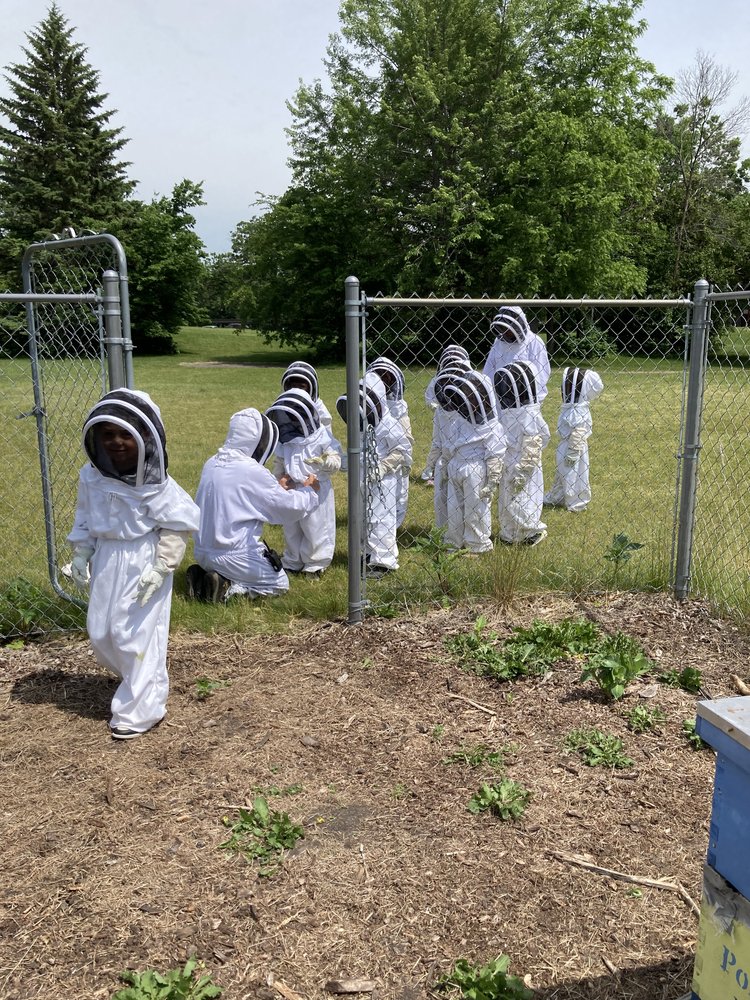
(111,856)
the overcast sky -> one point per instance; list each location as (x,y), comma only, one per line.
(200,87)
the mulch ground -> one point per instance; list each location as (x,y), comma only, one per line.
(111,856)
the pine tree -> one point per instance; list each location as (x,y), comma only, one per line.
(58,153)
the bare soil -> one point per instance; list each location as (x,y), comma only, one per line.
(111,856)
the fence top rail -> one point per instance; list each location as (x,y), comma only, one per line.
(568,303)
(49,297)
(727,296)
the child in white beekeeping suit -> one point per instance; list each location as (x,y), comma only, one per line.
(453,359)
(526,434)
(473,448)
(515,341)
(301,375)
(393,379)
(131,527)
(387,449)
(237,496)
(306,448)
(571,488)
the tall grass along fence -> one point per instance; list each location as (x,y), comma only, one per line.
(669,459)
(63,341)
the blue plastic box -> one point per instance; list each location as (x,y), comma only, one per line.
(725,725)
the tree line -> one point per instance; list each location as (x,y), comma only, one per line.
(459,147)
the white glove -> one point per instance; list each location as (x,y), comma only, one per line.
(571,457)
(79,567)
(391,463)
(531,454)
(151,579)
(329,462)
(576,444)
(494,478)
(518,482)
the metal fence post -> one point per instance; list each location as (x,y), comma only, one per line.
(691,440)
(113,338)
(353,317)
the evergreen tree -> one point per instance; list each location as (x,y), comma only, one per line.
(58,153)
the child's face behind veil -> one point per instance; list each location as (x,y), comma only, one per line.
(120,447)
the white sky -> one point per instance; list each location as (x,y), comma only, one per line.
(200,87)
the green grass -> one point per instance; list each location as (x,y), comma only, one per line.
(633,460)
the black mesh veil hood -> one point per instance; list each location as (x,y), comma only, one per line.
(392,376)
(301,371)
(137,413)
(470,397)
(516,385)
(295,414)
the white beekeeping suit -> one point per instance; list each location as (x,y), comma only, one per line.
(526,434)
(571,488)
(515,341)
(393,379)
(453,360)
(301,375)
(387,449)
(130,531)
(473,448)
(237,496)
(306,448)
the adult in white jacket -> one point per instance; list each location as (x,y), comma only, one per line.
(237,497)
(131,526)
(526,434)
(515,341)
(571,488)
(306,448)
(472,443)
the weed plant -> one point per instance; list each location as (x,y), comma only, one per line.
(597,749)
(491,981)
(178,984)
(641,719)
(617,662)
(528,650)
(506,799)
(688,731)
(205,687)
(689,679)
(477,756)
(262,834)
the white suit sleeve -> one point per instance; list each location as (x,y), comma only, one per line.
(80,536)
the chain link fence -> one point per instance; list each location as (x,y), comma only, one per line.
(627,535)
(61,342)
(720,565)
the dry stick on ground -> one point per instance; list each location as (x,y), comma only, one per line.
(741,686)
(474,704)
(654,883)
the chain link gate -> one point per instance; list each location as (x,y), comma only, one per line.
(627,537)
(63,340)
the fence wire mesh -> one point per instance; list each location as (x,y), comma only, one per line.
(720,564)
(626,535)
(52,370)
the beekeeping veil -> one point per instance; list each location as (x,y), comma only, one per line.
(392,377)
(371,401)
(470,397)
(295,415)
(581,385)
(515,385)
(139,415)
(252,434)
(301,371)
(510,319)
(454,356)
